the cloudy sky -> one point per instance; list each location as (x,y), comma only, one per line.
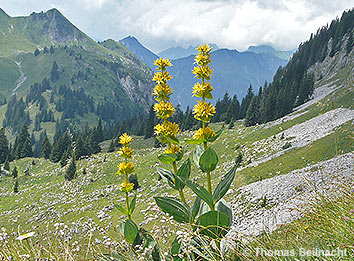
(160,24)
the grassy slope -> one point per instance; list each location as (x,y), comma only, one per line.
(47,196)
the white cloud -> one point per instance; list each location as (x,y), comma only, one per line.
(161,23)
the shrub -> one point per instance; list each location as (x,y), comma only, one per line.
(286,145)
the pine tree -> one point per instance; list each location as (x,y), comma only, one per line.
(81,149)
(14,172)
(22,147)
(64,159)
(7,164)
(231,124)
(54,73)
(252,112)
(16,186)
(149,129)
(4,146)
(239,158)
(99,131)
(71,170)
(46,148)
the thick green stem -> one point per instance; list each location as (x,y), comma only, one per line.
(127,197)
(180,191)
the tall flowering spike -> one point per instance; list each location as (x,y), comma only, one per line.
(203,111)
(125,139)
(164,109)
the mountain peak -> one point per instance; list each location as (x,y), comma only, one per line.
(3,13)
(54,25)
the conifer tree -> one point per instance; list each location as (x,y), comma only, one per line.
(22,147)
(16,186)
(252,112)
(7,164)
(14,172)
(149,129)
(71,170)
(46,148)
(4,146)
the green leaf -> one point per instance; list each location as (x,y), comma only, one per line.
(196,207)
(129,230)
(197,153)
(217,134)
(209,96)
(172,139)
(214,224)
(208,160)
(167,158)
(179,210)
(121,209)
(183,173)
(132,205)
(224,184)
(223,207)
(167,176)
(201,192)
(193,141)
(180,155)
(175,250)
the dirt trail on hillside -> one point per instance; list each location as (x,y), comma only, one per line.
(21,79)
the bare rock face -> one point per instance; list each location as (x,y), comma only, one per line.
(331,65)
(54,25)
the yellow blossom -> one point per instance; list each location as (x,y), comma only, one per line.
(125,168)
(162,77)
(167,129)
(202,59)
(204,49)
(202,90)
(203,72)
(204,134)
(162,92)
(125,139)
(126,186)
(203,111)
(173,149)
(164,109)
(162,63)
(126,152)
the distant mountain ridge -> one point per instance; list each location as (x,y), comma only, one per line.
(286,55)
(178,52)
(233,71)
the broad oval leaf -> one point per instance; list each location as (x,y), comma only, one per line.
(175,250)
(208,160)
(214,224)
(201,192)
(132,205)
(179,210)
(224,207)
(197,153)
(129,230)
(167,176)
(167,158)
(224,184)
(183,173)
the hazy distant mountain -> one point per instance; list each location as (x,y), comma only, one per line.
(144,54)
(177,52)
(233,71)
(286,55)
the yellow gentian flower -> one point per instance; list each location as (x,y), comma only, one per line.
(162,92)
(173,149)
(125,139)
(202,90)
(126,152)
(125,168)
(167,129)
(126,186)
(162,63)
(162,77)
(164,109)
(203,72)
(204,49)
(203,111)
(204,134)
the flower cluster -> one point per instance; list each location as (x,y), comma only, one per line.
(126,167)
(203,111)
(164,108)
